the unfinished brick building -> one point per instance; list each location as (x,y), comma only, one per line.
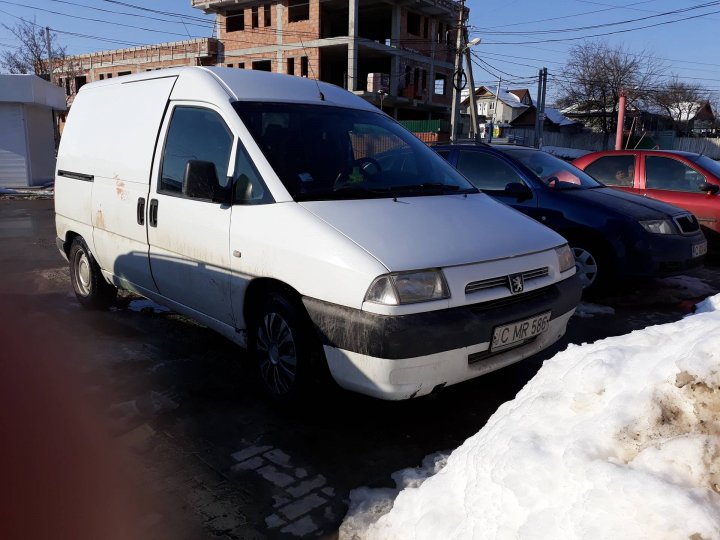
(395,54)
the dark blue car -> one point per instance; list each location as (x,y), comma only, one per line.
(612,233)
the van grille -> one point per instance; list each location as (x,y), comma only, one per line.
(687,223)
(502,281)
(510,300)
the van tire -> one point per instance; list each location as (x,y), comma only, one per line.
(91,289)
(285,348)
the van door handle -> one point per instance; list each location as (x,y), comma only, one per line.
(153,212)
(141,211)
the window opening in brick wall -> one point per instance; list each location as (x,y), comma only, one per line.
(298,10)
(235,21)
(440,33)
(230,65)
(255,21)
(262,65)
(241,65)
(424,79)
(79,82)
(426,26)
(291,66)
(120,74)
(304,66)
(413,24)
(102,76)
(109,75)
(267,15)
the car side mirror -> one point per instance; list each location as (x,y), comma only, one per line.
(518,190)
(201,182)
(709,188)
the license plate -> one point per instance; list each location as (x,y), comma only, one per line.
(699,250)
(509,335)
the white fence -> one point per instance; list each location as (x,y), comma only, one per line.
(593,142)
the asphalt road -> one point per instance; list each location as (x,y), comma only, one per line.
(179,414)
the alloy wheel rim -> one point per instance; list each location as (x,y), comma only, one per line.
(585,266)
(277,354)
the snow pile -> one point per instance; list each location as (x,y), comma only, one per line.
(616,439)
(36,192)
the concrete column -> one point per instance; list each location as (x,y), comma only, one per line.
(352,45)
(279,14)
(395,74)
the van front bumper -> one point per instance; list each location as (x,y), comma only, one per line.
(398,357)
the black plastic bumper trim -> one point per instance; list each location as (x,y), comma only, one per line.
(396,337)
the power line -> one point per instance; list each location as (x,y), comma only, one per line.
(609,24)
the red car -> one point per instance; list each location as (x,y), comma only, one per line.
(690,181)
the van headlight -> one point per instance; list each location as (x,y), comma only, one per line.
(408,288)
(658,226)
(566,259)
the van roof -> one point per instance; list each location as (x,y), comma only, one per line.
(237,84)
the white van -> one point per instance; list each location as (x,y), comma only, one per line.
(302,223)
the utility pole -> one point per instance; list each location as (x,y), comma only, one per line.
(541,114)
(471,82)
(497,94)
(457,74)
(47,41)
(536,142)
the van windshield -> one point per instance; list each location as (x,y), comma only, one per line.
(323,152)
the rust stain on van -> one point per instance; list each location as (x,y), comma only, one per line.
(99,220)
(120,188)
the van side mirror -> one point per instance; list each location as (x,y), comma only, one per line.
(709,188)
(518,190)
(201,182)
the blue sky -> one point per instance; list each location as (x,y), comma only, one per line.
(687,48)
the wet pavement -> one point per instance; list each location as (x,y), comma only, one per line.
(210,455)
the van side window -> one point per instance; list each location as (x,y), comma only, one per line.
(249,188)
(194,134)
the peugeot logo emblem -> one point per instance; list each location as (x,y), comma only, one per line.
(516,283)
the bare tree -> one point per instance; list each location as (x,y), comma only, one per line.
(597,73)
(31,55)
(681,101)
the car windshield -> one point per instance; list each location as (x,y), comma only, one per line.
(708,164)
(552,171)
(323,152)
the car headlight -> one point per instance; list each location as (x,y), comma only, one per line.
(408,288)
(658,226)
(565,256)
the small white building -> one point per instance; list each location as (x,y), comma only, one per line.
(27,130)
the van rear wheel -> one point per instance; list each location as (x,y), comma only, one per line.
(285,348)
(91,289)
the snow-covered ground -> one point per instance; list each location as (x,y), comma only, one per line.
(616,439)
(38,191)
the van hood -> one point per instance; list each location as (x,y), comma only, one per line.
(410,233)
(627,204)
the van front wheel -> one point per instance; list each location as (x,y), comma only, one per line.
(284,348)
(91,289)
